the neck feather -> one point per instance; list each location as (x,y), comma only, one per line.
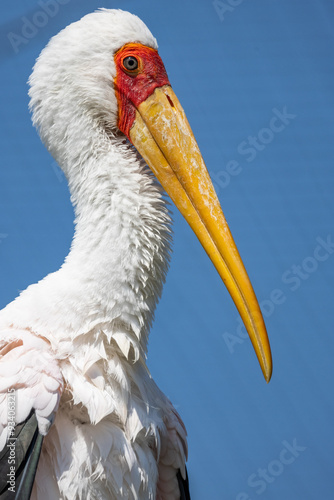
(106,292)
(120,249)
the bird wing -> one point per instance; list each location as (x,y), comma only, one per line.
(173,477)
(30,388)
(27,443)
(183,486)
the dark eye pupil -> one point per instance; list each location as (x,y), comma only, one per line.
(130,63)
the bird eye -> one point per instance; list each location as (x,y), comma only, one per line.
(130,63)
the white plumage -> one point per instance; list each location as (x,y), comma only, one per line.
(73,346)
(80,335)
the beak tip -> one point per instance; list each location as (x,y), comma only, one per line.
(267,370)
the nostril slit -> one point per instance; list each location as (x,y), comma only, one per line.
(170,100)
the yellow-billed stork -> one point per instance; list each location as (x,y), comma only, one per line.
(73,346)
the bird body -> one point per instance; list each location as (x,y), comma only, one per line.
(74,345)
(95,314)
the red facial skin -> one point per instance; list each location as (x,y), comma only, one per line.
(134,87)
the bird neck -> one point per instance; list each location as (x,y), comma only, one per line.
(120,251)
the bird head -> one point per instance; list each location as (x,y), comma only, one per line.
(105,73)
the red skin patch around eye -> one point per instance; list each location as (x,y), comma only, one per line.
(132,88)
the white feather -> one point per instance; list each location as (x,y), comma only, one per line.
(82,332)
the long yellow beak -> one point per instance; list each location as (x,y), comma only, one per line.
(162,135)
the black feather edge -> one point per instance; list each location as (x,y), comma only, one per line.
(183,486)
(28,445)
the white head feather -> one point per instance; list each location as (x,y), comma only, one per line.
(72,81)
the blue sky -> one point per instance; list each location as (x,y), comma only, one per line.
(256,81)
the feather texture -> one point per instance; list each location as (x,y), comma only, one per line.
(75,343)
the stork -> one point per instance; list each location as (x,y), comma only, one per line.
(73,346)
